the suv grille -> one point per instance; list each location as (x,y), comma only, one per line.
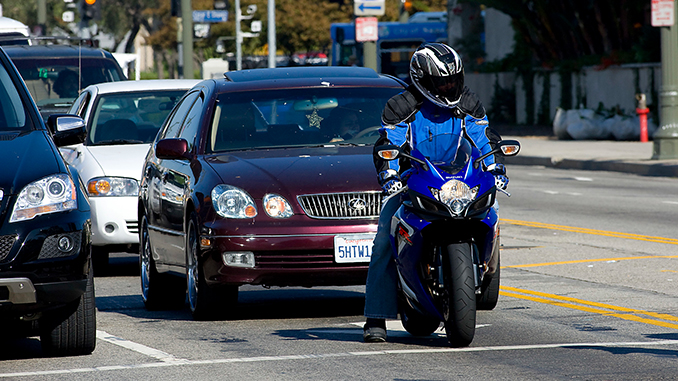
(352,205)
(6,243)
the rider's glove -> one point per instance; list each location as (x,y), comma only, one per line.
(390,181)
(499,172)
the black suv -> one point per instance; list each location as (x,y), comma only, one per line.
(55,74)
(46,285)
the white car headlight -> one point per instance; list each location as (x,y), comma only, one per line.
(52,194)
(112,187)
(232,202)
(456,194)
(277,207)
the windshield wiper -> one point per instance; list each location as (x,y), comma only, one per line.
(118,141)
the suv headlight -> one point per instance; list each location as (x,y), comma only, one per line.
(52,194)
(232,202)
(455,194)
(112,187)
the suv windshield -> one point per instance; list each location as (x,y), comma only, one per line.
(297,117)
(12,111)
(128,118)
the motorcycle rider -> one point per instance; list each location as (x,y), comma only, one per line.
(437,101)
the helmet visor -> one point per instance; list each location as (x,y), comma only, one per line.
(448,87)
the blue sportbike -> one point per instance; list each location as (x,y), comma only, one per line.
(445,235)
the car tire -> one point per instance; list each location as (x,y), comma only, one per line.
(206,303)
(158,291)
(72,330)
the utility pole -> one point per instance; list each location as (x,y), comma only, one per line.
(42,16)
(271,34)
(187,38)
(665,139)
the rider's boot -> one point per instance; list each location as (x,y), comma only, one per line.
(374,330)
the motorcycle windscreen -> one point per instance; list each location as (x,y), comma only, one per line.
(448,151)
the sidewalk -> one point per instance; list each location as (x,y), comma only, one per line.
(615,156)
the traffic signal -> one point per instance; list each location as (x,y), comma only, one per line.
(407,5)
(90,10)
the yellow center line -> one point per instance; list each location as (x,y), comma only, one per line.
(592,307)
(638,237)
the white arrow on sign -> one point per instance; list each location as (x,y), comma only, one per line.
(369,7)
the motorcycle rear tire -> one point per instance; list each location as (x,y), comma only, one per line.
(417,324)
(489,297)
(460,303)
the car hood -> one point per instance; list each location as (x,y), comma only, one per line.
(119,160)
(291,172)
(25,158)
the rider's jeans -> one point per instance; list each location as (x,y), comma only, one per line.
(381,289)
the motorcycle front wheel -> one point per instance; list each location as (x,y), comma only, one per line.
(459,303)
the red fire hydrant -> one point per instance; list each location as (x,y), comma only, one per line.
(642,112)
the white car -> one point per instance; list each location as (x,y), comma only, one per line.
(122,120)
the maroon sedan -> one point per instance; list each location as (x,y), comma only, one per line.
(264,177)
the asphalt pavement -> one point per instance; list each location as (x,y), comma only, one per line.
(603,155)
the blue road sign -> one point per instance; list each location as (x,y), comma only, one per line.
(210,16)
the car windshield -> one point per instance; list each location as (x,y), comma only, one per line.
(53,82)
(12,111)
(130,117)
(297,117)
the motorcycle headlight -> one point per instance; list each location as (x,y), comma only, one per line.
(456,194)
(52,194)
(277,207)
(232,202)
(112,187)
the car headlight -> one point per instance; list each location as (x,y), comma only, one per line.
(455,194)
(232,202)
(112,187)
(277,207)
(52,194)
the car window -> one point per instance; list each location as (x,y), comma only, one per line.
(12,111)
(297,117)
(130,117)
(192,123)
(58,80)
(174,124)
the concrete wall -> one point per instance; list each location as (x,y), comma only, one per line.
(613,86)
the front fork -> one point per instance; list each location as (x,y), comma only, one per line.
(440,270)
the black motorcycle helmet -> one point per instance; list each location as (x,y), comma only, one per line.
(438,72)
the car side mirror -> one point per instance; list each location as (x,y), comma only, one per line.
(67,129)
(172,149)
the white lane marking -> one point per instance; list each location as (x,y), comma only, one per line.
(338,355)
(583,179)
(671,202)
(136,347)
(550,192)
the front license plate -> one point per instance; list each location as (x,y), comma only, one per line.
(353,248)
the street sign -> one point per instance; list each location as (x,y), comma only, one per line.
(369,7)
(210,16)
(663,12)
(366,29)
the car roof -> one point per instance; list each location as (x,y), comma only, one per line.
(307,76)
(55,51)
(146,84)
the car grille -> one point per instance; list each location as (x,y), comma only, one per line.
(351,205)
(6,243)
(133,226)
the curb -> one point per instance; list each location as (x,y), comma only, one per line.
(662,169)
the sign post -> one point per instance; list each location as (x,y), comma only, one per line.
(665,139)
(367,28)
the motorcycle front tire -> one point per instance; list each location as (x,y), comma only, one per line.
(459,308)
